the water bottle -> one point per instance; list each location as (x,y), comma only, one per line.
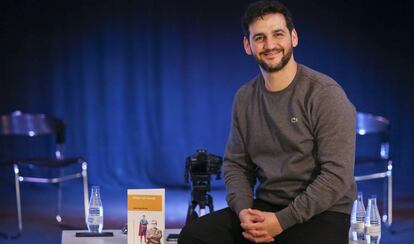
(95,211)
(372,222)
(356,232)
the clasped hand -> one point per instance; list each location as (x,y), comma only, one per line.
(259,226)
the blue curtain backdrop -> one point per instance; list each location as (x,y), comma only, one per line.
(143,84)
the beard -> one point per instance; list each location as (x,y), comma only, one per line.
(275,68)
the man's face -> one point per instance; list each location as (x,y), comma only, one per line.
(270,42)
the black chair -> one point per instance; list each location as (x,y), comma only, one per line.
(30,125)
(369,124)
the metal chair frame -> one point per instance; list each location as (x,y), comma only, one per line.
(372,124)
(24,124)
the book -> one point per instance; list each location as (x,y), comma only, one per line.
(146,216)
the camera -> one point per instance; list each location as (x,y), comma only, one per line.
(202,164)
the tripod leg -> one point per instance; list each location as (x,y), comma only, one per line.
(210,203)
(191,213)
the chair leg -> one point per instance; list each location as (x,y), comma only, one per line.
(18,201)
(387,216)
(85,192)
(18,206)
(85,189)
(389,192)
(59,203)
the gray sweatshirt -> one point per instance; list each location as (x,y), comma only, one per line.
(298,142)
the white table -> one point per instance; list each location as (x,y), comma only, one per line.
(68,237)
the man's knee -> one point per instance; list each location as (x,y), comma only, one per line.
(212,228)
(187,235)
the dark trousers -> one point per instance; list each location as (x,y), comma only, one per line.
(223,227)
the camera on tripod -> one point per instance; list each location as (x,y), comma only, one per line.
(203,164)
(200,166)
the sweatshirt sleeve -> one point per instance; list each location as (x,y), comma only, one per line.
(334,120)
(239,171)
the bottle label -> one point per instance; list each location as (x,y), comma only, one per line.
(94,211)
(95,216)
(360,217)
(358,227)
(95,220)
(373,230)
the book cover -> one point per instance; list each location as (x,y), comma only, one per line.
(146,216)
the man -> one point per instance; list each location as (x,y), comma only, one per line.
(154,234)
(142,231)
(293,129)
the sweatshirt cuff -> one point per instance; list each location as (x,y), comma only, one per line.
(286,218)
(240,205)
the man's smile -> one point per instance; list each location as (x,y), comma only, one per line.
(272,53)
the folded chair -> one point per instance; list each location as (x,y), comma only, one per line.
(18,124)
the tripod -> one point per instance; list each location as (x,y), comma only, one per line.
(199,196)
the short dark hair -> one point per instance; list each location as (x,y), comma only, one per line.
(261,8)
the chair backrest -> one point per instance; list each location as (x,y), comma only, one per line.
(369,123)
(374,124)
(25,124)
